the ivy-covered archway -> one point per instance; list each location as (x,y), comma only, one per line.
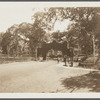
(55,46)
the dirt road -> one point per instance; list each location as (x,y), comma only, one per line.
(39,77)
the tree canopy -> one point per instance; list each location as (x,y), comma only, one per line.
(85,22)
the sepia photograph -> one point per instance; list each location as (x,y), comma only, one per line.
(49,47)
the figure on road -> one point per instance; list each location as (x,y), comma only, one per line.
(65,56)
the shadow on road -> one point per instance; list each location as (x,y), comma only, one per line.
(90,81)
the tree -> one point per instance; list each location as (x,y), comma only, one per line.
(87,20)
(37,36)
(11,39)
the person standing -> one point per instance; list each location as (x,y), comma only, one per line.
(65,59)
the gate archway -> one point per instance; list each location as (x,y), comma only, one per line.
(55,46)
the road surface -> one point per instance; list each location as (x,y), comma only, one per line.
(36,77)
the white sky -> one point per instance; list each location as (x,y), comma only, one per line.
(16,13)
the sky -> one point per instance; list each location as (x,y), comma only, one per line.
(16,13)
